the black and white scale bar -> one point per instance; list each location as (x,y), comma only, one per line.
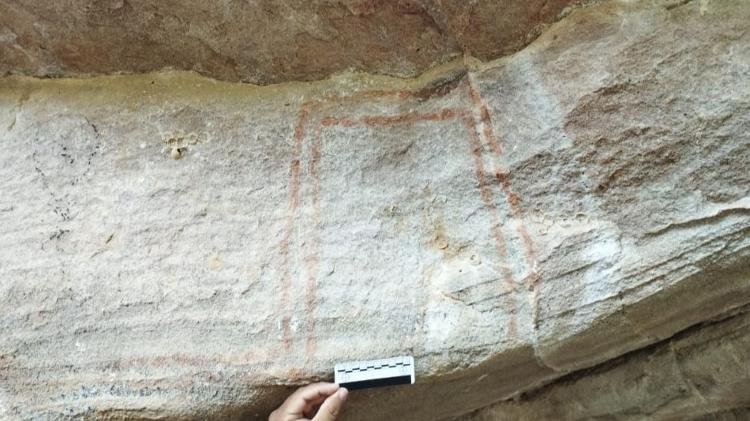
(376,373)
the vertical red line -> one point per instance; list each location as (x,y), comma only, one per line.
(312,260)
(489,202)
(502,178)
(294,201)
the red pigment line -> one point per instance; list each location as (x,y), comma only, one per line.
(294,201)
(410,118)
(484,115)
(313,260)
(393,120)
(357,96)
(329,121)
(442,115)
(333,121)
(489,202)
(502,177)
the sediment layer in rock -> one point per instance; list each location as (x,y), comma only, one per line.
(261,41)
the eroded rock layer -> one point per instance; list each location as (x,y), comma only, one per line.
(261,41)
(174,247)
(701,374)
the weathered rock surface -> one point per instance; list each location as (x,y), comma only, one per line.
(175,247)
(703,374)
(261,41)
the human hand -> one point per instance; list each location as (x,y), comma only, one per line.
(315,402)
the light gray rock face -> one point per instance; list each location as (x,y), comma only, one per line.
(179,248)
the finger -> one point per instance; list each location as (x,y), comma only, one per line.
(305,398)
(332,407)
(314,396)
(318,392)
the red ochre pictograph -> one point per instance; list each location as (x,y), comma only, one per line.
(472,118)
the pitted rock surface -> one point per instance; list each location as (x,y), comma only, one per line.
(570,218)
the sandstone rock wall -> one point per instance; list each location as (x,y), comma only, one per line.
(533,228)
(701,374)
(261,41)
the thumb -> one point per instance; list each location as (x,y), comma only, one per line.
(332,407)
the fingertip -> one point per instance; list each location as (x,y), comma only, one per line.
(333,406)
(329,388)
(317,392)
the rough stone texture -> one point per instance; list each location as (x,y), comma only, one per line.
(179,248)
(701,375)
(261,41)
